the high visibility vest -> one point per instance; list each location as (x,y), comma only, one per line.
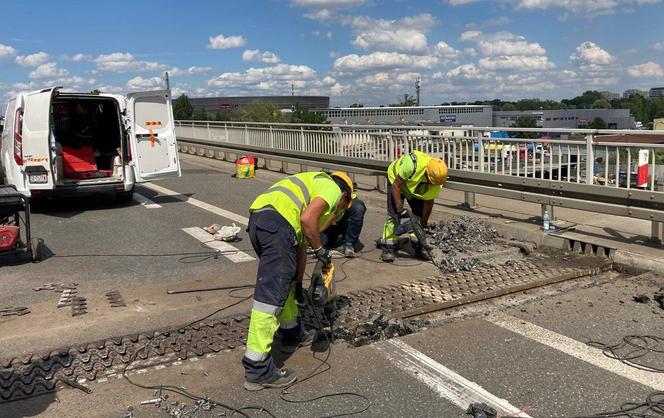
(290,196)
(414,187)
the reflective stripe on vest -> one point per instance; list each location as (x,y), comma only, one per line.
(267,308)
(303,188)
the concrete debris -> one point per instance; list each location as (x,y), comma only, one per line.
(641,298)
(659,297)
(16,311)
(115,299)
(182,410)
(79,306)
(377,329)
(459,240)
(481,410)
(66,297)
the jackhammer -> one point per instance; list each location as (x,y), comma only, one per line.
(414,225)
(320,297)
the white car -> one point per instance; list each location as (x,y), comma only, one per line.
(57,143)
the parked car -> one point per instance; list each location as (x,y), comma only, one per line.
(77,143)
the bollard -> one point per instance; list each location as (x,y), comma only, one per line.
(469,200)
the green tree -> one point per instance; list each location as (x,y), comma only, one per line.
(96,91)
(200,114)
(357,105)
(302,115)
(182,108)
(508,107)
(408,100)
(597,123)
(525,122)
(601,104)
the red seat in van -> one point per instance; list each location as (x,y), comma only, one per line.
(79,163)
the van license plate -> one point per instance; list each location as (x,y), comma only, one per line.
(38,178)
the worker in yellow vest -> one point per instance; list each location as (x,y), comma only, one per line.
(418,178)
(284,220)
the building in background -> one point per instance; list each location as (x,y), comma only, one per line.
(463,115)
(214,104)
(635,92)
(656,92)
(567,118)
(609,95)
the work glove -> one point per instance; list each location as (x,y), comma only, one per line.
(403,212)
(299,293)
(323,255)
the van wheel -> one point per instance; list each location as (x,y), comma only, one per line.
(126,197)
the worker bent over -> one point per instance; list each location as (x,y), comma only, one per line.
(348,226)
(290,213)
(418,178)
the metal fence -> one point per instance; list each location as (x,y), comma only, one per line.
(573,156)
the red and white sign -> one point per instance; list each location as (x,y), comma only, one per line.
(642,171)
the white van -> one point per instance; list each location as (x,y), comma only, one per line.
(58,143)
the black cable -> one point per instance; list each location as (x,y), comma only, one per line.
(185,393)
(632,348)
(652,407)
(317,371)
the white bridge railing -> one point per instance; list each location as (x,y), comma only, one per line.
(572,156)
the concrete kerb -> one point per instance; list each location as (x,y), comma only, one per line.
(518,230)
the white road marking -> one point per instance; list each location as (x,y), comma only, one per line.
(577,350)
(145,201)
(227,249)
(444,381)
(200,204)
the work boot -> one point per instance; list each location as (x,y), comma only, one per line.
(281,379)
(420,253)
(349,251)
(307,339)
(388,253)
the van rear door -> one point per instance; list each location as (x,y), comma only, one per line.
(36,144)
(154,153)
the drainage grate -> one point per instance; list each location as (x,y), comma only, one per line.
(36,374)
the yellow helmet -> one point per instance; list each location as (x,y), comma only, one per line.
(437,171)
(344,177)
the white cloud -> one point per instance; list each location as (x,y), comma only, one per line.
(266,57)
(32,60)
(468,71)
(649,69)
(140,83)
(49,70)
(199,70)
(123,62)
(516,63)
(590,53)
(582,8)
(503,43)
(442,49)
(82,57)
(405,40)
(263,77)
(404,35)
(226,42)
(383,61)
(659,46)
(6,51)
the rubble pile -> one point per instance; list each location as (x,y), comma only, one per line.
(459,240)
(376,330)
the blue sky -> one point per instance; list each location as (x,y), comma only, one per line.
(364,51)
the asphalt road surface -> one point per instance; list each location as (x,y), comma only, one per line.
(525,354)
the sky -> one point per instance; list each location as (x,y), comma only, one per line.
(355,51)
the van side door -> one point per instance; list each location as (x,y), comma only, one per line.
(151,127)
(36,136)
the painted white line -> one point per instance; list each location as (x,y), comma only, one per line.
(227,249)
(444,381)
(577,350)
(200,204)
(145,201)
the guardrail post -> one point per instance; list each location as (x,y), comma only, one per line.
(469,200)
(657,228)
(271,137)
(481,146)
(590,160)
(193,130)
(226,132)
(302,139)
(246,135)
(208,130)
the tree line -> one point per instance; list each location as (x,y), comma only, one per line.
(253,112)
